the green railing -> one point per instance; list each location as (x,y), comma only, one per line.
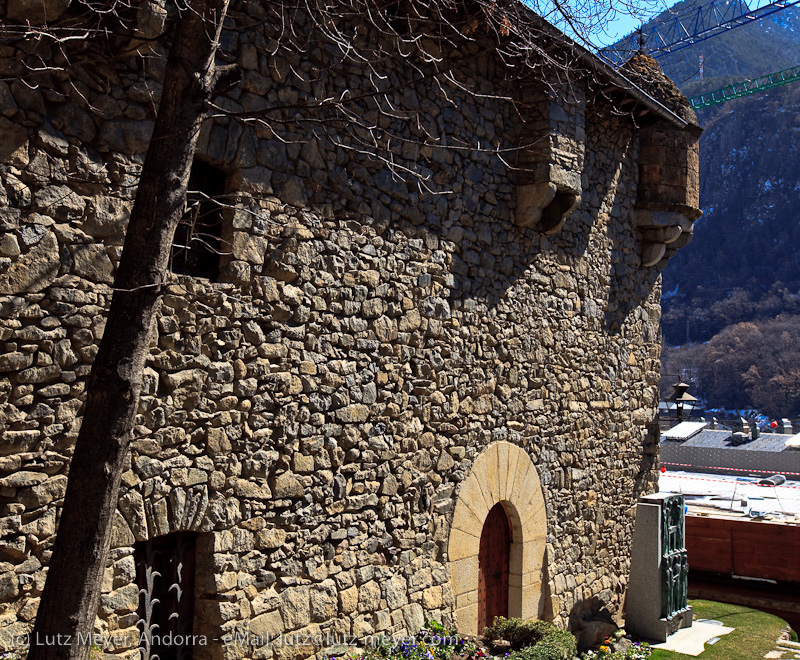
(746,87)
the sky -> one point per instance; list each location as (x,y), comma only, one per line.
(623,24)
(619,28)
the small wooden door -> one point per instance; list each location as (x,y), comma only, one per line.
(493,567)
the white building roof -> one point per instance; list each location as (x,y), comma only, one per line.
(793,442)
(684,430)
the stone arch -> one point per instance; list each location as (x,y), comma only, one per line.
(140,518)
(210,521)
(502,473)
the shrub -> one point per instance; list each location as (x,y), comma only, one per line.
(555,644)
(519,632)
(533,640)
(501,628)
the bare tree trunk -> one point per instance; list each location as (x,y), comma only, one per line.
(69,603)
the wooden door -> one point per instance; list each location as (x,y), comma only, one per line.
(493,567)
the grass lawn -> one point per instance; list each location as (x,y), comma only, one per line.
(755,634)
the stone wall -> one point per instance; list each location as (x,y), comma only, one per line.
(313,415)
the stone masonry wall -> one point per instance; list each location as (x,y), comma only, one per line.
(312,415)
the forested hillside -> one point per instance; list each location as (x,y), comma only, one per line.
(744,262)
(747,365)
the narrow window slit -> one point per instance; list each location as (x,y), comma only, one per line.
(197,245)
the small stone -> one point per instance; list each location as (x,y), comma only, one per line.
(60,202)
(106,216)
(373,308)
(323,601)
(121,601)
(270,538)
(33,271)
(9,246)
(8,106)
(13,140)
(354,413)
(293,192)
(385,329)
(436,308)
(267,626)
(302,464)
(36,12)
(9,587)
(39,374)
(389,485)
(296,607)
(308,368)
(22,479)
(287,485)
(15,361)
(217,442)
(310,153)
(432,598)
(414,617)
(92,263)
(410,321)
(396,592)
(249,248)
(348,600)
(369,597)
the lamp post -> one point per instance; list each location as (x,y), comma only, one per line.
(680,397)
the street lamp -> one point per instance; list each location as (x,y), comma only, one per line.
(680,397)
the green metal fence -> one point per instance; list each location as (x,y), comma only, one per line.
(746,87)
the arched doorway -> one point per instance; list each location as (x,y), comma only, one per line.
(493,561)
(502,473)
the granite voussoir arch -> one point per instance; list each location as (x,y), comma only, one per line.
(503,473)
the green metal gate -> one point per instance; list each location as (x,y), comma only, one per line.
(674,561)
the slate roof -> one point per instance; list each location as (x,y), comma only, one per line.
(710,439)
(721,439)
(768,442)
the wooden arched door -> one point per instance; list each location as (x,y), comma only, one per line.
(493,567)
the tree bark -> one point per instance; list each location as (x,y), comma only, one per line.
(68,606)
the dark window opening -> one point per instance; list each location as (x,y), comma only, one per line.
(165,577)
(196,248)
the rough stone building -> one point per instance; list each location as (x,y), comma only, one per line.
(431,301)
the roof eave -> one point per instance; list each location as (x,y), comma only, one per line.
(608,71)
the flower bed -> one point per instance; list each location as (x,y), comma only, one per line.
(506,639)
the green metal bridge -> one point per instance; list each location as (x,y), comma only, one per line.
(746,87)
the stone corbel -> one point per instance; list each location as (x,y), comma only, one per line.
(544,206)
(663,233)
(551,156)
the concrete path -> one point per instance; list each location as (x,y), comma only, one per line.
(784,649)
(692,641)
